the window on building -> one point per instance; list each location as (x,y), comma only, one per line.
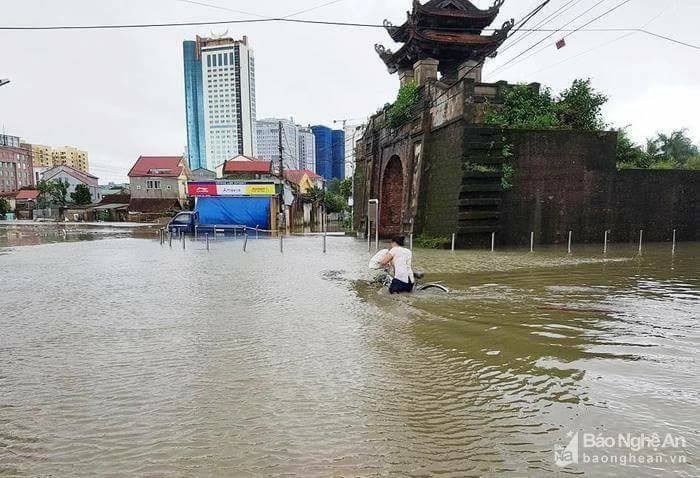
(153,184)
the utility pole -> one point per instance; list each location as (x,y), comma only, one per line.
(281,199)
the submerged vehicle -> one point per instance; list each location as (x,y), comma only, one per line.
(224,214)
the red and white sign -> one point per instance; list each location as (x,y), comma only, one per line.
(201,189)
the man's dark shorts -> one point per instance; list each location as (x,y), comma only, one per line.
(399,287)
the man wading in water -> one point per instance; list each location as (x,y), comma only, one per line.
(400,259)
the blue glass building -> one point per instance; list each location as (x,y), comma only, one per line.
(324,151)
(338,159)
(330,152)
(194,107)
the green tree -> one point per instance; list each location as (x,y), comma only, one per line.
(341,187)
(580,107)
(675,147)
(54,192)
(314,196)
(577,107)
(629,154)
(82,195)
(4,206)
(524,107)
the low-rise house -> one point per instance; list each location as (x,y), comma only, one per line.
(302,212)
(202,174)
(304,179)
(158,185)
(247,170)
(74,177)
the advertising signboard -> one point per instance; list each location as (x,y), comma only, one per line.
(196,189)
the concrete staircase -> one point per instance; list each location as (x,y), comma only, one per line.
(481,191)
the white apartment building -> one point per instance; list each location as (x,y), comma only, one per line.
(307,150)
(268,142)
(228,85)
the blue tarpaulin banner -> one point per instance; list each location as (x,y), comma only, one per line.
(238,211)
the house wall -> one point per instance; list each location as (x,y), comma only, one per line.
(73,182)
(170,188)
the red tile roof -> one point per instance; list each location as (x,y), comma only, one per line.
(27,194)
(296,175)
(251,167)
(157,166)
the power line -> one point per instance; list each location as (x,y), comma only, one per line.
(615,40)
(555,14)
(309,22)
(607,12)
(510,62)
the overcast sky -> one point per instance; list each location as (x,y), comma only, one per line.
(119,93)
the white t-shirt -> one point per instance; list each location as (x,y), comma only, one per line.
(402,264)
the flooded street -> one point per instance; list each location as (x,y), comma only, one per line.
(122,357)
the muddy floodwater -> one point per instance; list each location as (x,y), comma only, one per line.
(122,357)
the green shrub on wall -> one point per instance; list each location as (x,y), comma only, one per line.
(401,111)
(430,242)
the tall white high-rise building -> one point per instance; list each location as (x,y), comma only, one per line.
(269,142)
(220,100)
(307,149)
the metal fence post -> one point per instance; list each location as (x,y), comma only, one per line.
(493,242)
(325,242)
(281,244)
(170,238)
(673,250)
(605,243)
(245,243)
(196,233)
(453,241)
(571,233)
(410,242)
(184,241)
(641,239)
(532,242)
(257,236)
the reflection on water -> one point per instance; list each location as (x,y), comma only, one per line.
(122,357)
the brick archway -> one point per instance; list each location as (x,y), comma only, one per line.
(391,206)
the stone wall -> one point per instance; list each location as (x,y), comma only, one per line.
(567,181)
(451,179)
